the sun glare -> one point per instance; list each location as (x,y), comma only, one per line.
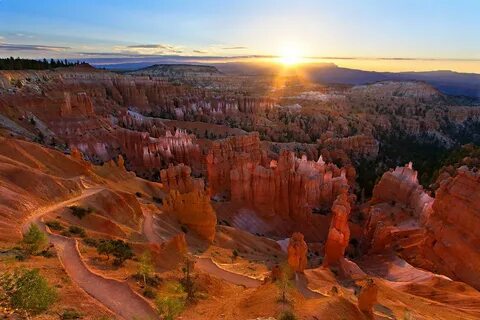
(290,60)
(290,57)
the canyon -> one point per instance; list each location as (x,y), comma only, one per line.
(243,183)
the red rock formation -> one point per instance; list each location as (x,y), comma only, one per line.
(359,146)
(290,187)
(339,232)
(297,253)
(452,228)
(401,185)
(179,178)
(194,210)
(224,155)
(368,297)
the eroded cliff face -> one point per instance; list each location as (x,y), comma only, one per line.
(290,187)
(438,234)
(225,155)
(398,209)
(194,210)
(179,178)
(453,240)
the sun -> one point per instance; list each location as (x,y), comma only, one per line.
(290,56)
(289,60)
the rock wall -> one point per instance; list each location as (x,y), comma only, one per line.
(194,210)
(453,240)
(289,187)
(402,186)
(179,178)
(227,154)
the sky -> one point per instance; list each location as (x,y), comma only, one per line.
(384,35)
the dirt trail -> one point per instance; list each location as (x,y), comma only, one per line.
(115,295)
(44,210)
(208,266)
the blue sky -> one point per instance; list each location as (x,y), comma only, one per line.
(419,29)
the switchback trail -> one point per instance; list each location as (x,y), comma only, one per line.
(115,295)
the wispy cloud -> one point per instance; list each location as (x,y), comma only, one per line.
(235,48)
(200,51)
(30,47)
(150,49)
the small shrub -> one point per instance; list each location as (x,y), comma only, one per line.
(234,253)
(169,307)
(34,240)
(78,231)
(69,314)
(91,242)
(149,293)
(138,194)
(118,248)
(80,212)
(66,233)
(28,290)
(287,315)
(54,225)
(184,228)
(152,281)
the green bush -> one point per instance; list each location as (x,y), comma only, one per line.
(54,225)
(34,240)
(78,231)
(28,290)
(118,248)
(169,307)
(80,212)
(149,293)
(91,242)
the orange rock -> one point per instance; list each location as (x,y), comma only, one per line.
(339,232)
(452,228)
(297,252)
(194,210)
(368,297)
(179,178)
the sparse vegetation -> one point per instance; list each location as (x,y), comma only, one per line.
(149,293)
(187,281)
(34,240)
(287,315)
(69,314)
(145,267)
(284,282)
(91,242)
(28,290)
(118,248)
(80,212)
(169,307)
(54,225)
(77,231)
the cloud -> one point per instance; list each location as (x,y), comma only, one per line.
(30,47)
(200,51)
(235,48)
(151,48)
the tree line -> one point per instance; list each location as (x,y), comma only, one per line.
(32,64)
